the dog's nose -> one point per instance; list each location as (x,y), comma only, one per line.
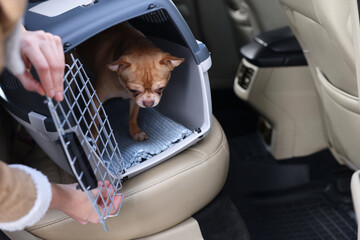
(148,103)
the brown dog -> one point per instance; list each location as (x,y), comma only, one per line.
(127,65)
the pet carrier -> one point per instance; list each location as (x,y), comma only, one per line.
(181,119)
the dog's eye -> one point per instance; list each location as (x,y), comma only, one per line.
(134,92)
(159,90)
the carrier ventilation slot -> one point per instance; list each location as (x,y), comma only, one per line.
(9,81)
(159,16)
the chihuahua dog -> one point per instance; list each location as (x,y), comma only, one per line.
(126,64)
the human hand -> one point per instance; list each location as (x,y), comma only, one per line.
(45,52)
(76,204)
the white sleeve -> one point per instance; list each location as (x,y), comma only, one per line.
(42,202)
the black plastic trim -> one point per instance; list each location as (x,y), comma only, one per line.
(21,102)
(3,236)
(81,23)
(275,48)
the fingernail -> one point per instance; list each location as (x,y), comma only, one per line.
(59,96)
(51,93)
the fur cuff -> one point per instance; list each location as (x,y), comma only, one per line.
(41,205)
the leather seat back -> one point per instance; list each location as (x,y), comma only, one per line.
(324,30)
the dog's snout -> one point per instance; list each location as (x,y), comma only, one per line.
(148,103)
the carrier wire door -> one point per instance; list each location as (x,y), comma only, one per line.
(86,149)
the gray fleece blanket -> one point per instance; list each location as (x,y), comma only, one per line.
(163,132)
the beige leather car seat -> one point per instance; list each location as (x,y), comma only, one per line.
(324,30)
(158,203)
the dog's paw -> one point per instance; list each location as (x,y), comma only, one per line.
(140,136)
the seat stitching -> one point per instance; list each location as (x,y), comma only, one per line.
(210,157)
(48,223)
(133,193)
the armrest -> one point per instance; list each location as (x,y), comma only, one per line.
(274,48)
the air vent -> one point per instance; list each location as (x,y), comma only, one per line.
(159,16)
(266,130)
(245,75)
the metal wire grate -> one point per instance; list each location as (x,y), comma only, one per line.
(87,139)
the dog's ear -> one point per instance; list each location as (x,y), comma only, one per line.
(171,61)
(118,65)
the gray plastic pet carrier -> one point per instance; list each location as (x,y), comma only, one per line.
(181,119)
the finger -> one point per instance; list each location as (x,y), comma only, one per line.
(36,57)
(98,193)
(107,183)
(105,187)
(106,193)
(27,64)
(82,222)
(110,192)
(30,84)
(61,57)
(109,187)
(103,198)
(55,59)
(117,202)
